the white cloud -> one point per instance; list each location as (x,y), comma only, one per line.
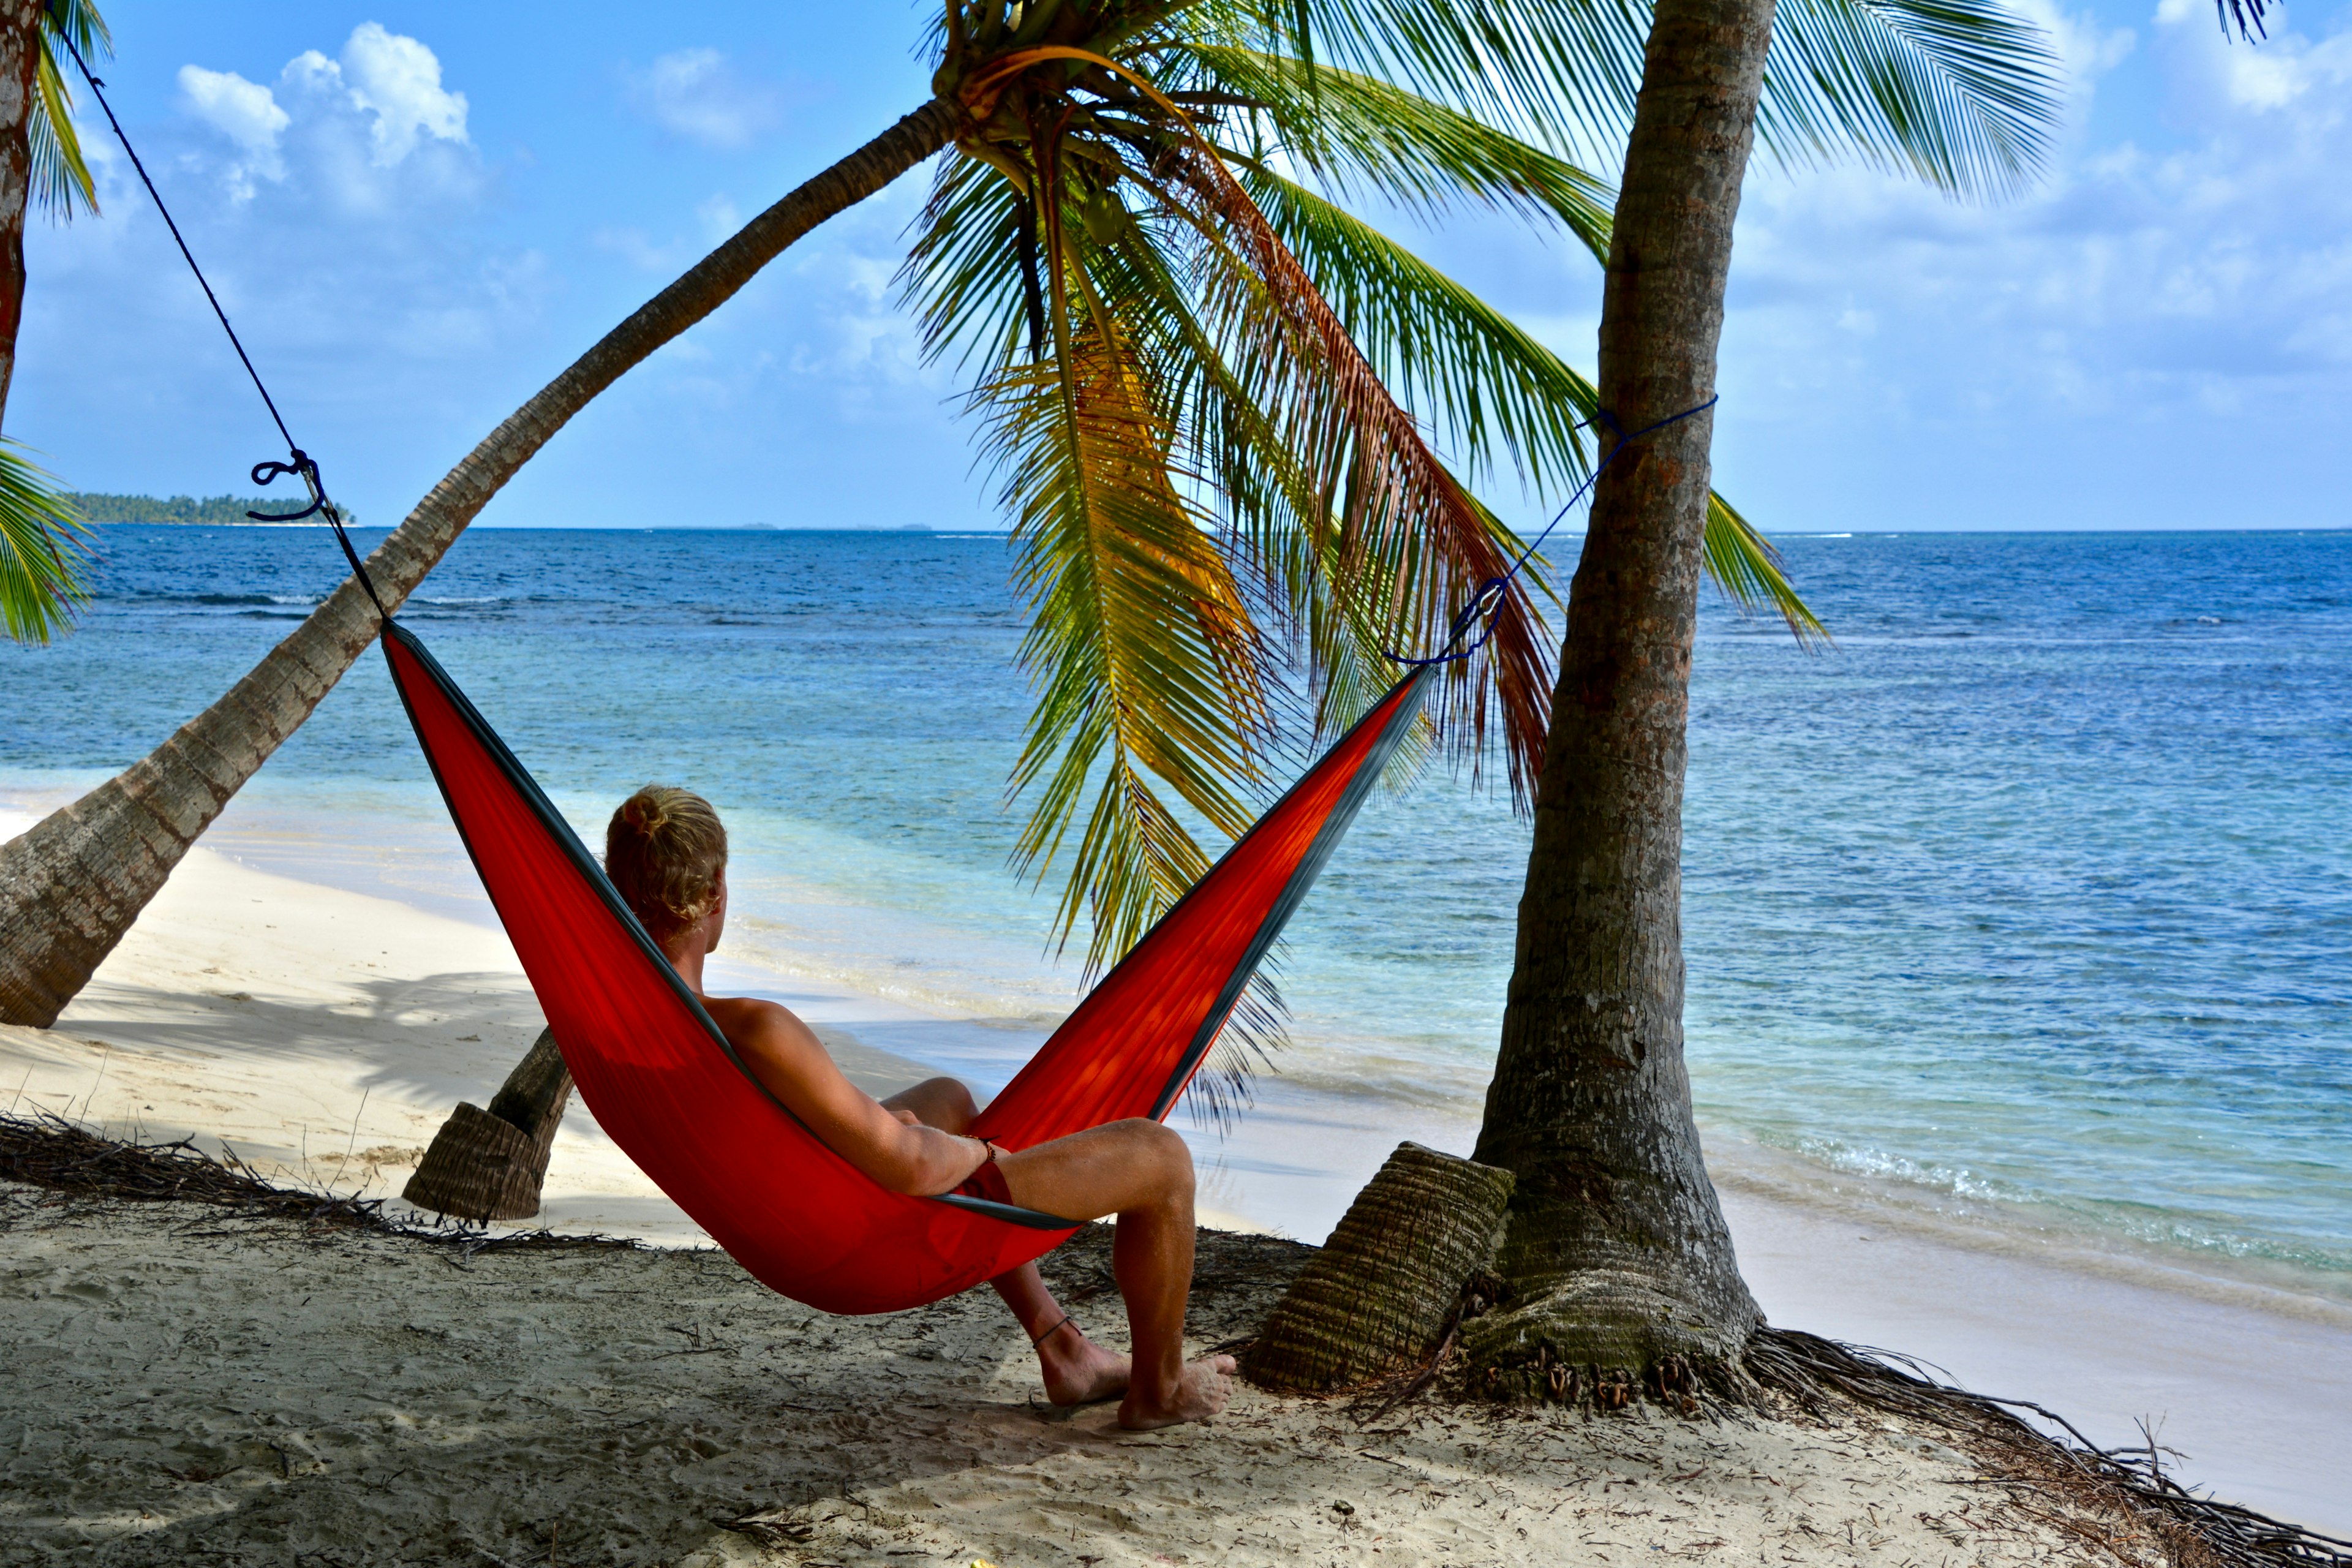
(356,123)
(2240,232)
(246,113)
(2274,77)
(695,94)
(398,80)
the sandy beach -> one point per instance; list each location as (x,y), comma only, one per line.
(322,1034)
(254,1394)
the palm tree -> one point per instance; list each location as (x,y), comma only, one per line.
(1617,1252)
(1134,202)
(40,161)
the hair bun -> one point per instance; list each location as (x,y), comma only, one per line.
(664,849)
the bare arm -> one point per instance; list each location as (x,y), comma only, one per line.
(787,1058)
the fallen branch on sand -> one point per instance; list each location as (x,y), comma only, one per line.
(47,1150)
(2197,1531)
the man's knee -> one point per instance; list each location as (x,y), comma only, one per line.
(941,1103)
(1164,1152)
(954,1098)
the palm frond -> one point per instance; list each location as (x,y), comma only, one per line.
(61,179)
(1491,390)
(1355,133)
(1746,566)
(1408,530)
(961,276)
(1486,380)
(1564,69)
(1140,646)
(42,560)
(2246,14)
(1258,1027)
(1963,93)
(80,21)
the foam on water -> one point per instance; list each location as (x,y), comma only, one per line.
(2033,896)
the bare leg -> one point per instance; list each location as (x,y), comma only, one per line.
(1076,1370)
(1142,1172)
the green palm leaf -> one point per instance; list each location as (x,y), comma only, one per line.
(42,561)
(41,557)
(61,179)
(1746,566)
(1356,135)
(1494,394)
(1140,643)
(1962,93)
(1487,382)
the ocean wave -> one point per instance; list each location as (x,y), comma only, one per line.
(217,601)
(2026,1207)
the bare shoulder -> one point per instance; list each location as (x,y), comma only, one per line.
(786,1057)
(750,1021)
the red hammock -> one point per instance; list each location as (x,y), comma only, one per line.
(664,1083)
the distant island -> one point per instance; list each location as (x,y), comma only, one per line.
(212,510)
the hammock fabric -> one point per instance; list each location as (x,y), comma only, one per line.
(664,1085)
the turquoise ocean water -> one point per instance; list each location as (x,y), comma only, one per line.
(2036,892)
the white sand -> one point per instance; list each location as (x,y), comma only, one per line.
(323,1035)
(182,1388)
(2251,1384)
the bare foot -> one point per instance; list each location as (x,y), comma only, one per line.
(1079,1371)
(1201,1392)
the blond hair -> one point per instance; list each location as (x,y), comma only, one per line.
(664,849)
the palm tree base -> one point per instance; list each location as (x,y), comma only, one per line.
(492,1164)
(1388,1288)
(1605,1337)
(479,1168)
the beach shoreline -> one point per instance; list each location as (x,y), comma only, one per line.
(321,1033)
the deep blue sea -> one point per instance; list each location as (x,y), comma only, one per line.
(2036,888)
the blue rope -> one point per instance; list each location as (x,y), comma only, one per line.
(1491,591)
(302,466)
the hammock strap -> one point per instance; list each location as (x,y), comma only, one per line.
(1491,593)
(302,465)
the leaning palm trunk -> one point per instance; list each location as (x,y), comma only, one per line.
(71,886)
(1618,1260)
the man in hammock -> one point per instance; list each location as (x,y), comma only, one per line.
(665,850)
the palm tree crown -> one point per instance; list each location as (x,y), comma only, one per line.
(1214,392)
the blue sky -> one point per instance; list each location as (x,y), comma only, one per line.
(418,214)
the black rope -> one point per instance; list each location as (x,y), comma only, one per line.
(301,465)
(1492,592)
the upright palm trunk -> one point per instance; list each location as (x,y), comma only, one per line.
(73,884)
(1617,1257)
(20,46)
